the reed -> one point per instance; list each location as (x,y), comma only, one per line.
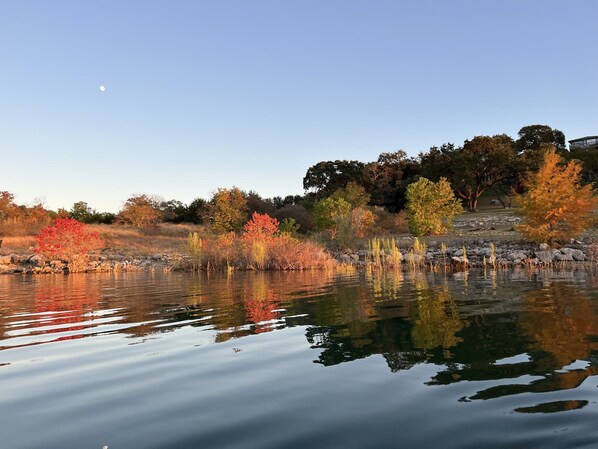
(259,254)
(375,249)
(195,247)
(384,253)
(443,250)
(416,257)
(394,258)
(419,248)
(492,255)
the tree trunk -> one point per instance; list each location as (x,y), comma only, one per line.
(473,204)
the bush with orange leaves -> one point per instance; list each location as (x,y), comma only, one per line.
(262,247)
(68,240)
(556,207)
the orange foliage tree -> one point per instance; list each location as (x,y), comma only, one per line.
(69,240)
(140,211)
(556,207)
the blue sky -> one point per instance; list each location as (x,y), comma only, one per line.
(201,95)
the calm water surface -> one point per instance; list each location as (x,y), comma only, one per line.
(299,360)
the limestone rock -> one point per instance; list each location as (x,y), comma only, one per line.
(576,254)
(517,256)
(37,261)
(545,256)
(564,257)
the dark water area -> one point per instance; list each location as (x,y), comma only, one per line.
(299,360)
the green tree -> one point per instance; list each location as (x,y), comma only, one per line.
(532,137)
(482,162)
(255,203)
(589,159)
(327,211)
(297,213)
(196,210)
(227,210)
(82,212)
(431,207)
(352,193)
(327,176)
(532,143)
(390,175)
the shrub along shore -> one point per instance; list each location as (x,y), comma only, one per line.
(341,225)
(404,254)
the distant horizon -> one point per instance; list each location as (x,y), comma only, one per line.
(204,95)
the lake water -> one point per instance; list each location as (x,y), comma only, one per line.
(299,360)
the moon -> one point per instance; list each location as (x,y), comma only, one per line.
(102,88)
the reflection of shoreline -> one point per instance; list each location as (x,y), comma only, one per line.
(463,324)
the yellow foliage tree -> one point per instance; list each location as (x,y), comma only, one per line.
(556,207)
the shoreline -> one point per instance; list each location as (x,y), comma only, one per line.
(458,255)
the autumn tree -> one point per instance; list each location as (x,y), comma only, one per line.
(69,240)
(8,209)
(556,206)
(36,214)
(260,227)
(227,210)
(140,211)
(431,207)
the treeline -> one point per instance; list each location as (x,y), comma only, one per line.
(346,193)
(496,164)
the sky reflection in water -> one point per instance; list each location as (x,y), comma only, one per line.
(299,359)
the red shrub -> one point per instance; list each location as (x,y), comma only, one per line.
(261,227)
(68,240)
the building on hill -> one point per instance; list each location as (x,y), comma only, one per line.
(584,143)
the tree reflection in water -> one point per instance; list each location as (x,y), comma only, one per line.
(557,328)
(465,327)
(538,323)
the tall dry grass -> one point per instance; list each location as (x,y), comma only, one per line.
(283,252)
(122,239)
(385,253)
(133,241)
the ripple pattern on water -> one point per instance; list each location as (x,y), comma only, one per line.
(294,360)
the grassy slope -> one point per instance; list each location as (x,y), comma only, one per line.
(126,240)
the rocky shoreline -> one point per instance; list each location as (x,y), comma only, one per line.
(482,253)
(37,264)
(457,255)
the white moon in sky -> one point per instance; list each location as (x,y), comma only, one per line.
(102,88)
